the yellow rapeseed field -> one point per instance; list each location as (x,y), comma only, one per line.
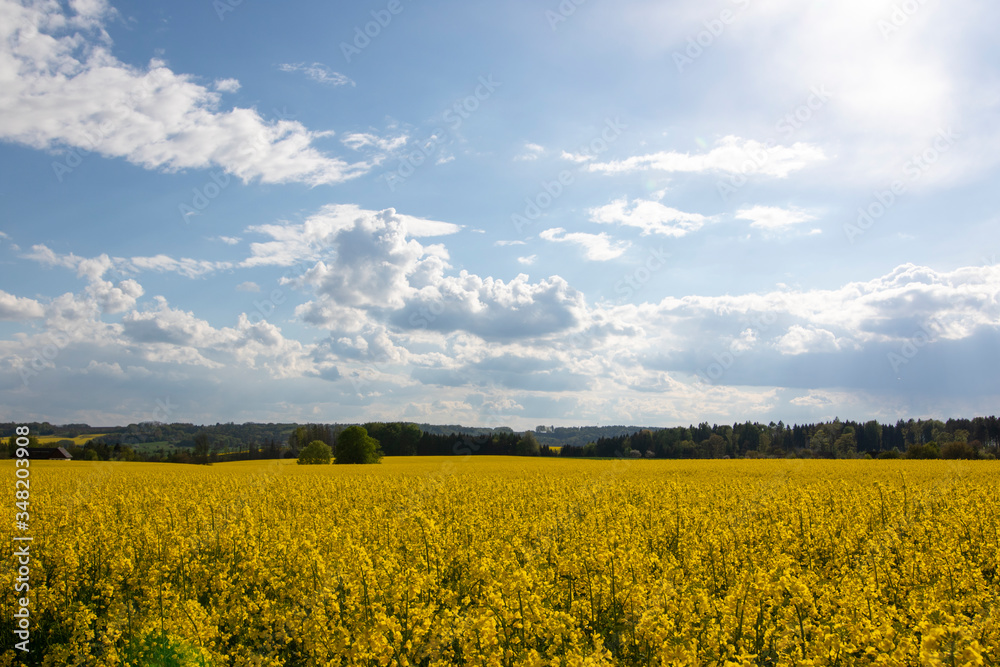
(511,561)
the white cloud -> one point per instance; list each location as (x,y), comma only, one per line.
(110,297)
(494,310)
(597,247)
(530,152)
(527,261)
(19,308)
(114,298)
(230,240)
(248,286)
(508,243)
(45,255)
(165,334)
(773,218)
(318,72)
(731,155)
(190,268)
(813,399)
(227,85)
(359,140)
(576,157)
(651,217)
(306,242)
(800,340)
(371,275)
(62,87)
(102,368)
(94,268)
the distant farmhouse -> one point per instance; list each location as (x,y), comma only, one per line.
(49,453)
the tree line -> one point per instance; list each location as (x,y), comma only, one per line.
(188,443)
(916,439)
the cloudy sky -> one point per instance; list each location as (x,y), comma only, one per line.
(520,213)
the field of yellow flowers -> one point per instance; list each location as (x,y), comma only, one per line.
(511,561)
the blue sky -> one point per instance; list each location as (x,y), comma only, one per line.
(519,213)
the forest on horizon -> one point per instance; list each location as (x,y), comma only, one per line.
(977,438)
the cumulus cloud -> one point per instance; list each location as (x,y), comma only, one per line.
(731,155)
(492,309)
(95,267)
(227,85)
(372,282)
(372,265)
(596,247)
(110,296)
(167,325)
(293,243)
(64,88)
(19,308)
(165,334)
(115,298)
(651,217)
(800,340)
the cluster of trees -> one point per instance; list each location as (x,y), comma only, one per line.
(353,446)
(187,443)
(955,439)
